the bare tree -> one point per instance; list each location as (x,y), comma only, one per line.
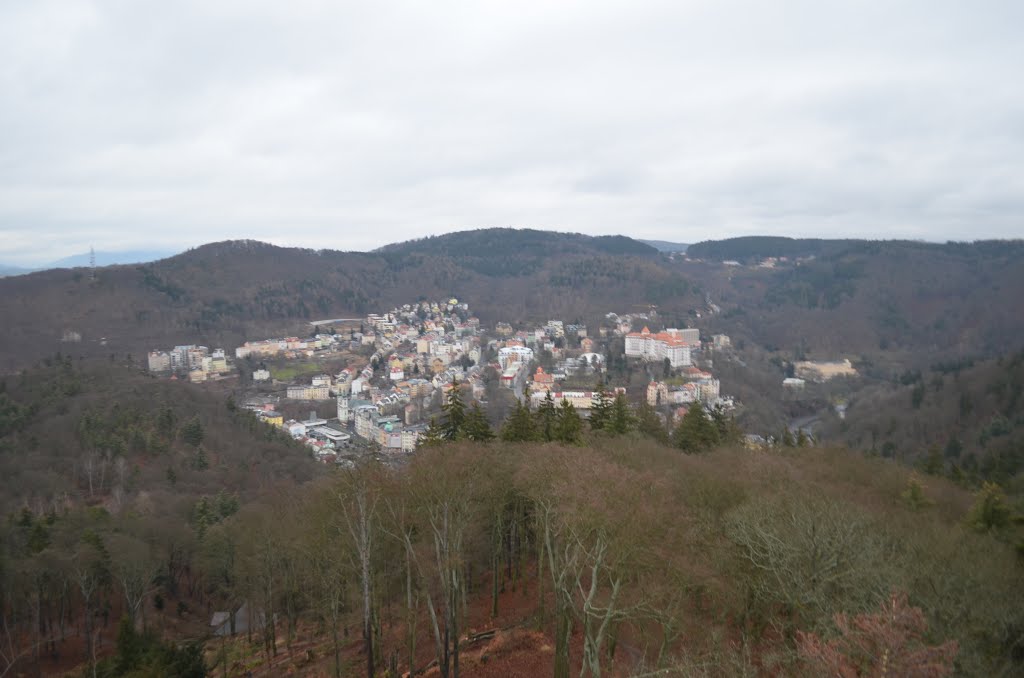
(359,508)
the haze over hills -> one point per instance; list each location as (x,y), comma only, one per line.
(666,246)
(103,258)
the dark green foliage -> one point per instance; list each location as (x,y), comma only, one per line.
(758,247)
(144,654)
(933,463)
(199,460)
(433,436)
(476,427)
(522,250)
(600,413)
(990,510)
(649,423)
(621,420)
(13,415)
(208,512)
(696,431)
(546,418)
(520,426)
(568,424)
(455,414)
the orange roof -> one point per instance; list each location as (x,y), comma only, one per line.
(660,336)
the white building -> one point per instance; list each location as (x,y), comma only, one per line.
(159,361)
(671,344)
(514,354)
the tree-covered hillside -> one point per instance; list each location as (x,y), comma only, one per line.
(960,419)
(225,293)
(881,301)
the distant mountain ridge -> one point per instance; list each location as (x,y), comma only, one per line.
(223,293)
(666,246)
(103,258)
(854,297)
(748,248)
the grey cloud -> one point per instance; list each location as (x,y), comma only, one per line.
(351,125)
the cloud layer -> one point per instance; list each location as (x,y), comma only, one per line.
(350,125)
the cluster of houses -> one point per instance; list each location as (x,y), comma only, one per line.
(694,385)
(421,350)
(198,363)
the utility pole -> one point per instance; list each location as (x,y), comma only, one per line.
(92,264)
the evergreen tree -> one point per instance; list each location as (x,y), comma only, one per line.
(621,421)
(696,432)
(455,413)
(728,432)
(192,432)
(476,427)
(600,412)
(568,424)
(199,461)
(649,423)
(520,426)
(991,510)
(933,463)
(433,436)
(787,438)
(546,418)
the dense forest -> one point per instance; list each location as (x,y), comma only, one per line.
(898,305)
(548,546)
(754,248)
(958,418)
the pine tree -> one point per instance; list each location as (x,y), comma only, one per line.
(990,510)
(455,413)
(476,427)
(696,432)
(933,463)
(621,421)
(787,438)
(649,423)
(520,426)
(568,424)
(433,436)
(199,461)
(600,412)
(728,432)
(192,432)
(546,418)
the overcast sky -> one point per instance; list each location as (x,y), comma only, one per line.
(130,124)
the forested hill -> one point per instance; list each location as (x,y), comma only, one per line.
(927,301)
(754,248)
(958,419)
(760,246)
(224,293)
(509,251)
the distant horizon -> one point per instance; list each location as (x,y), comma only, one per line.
(170,251)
